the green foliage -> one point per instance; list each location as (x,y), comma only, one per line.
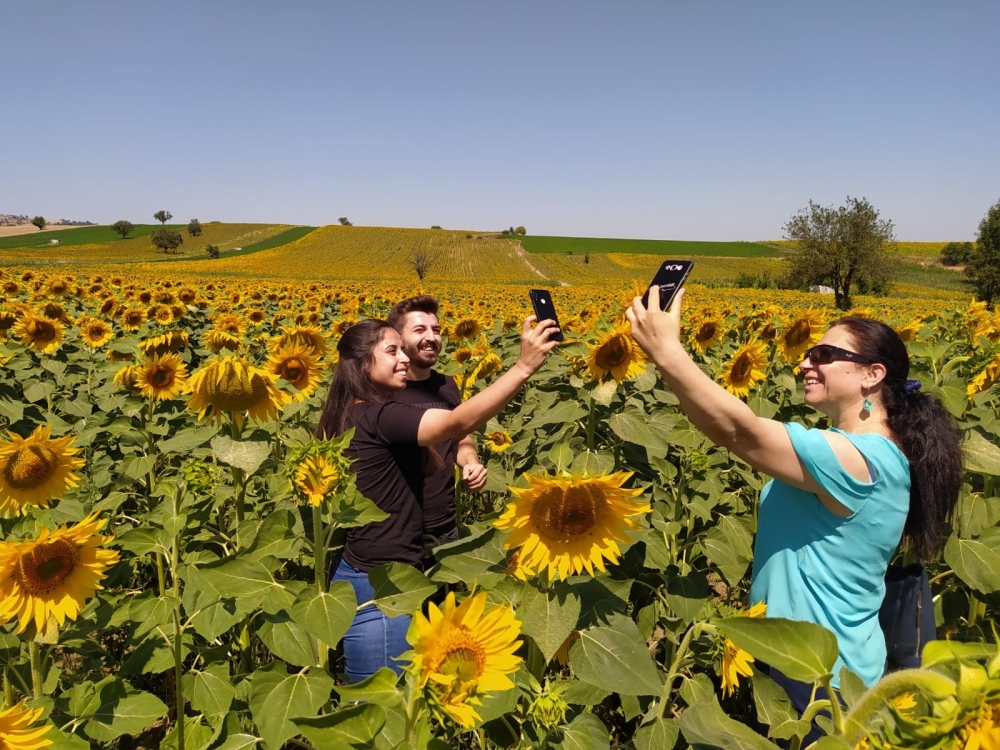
(123,228)
(676,248)
(344,222)
(163,216)
(76,236)
(984,264)
(166,240)
(194,227)
(841,246)
(39,221)
(957,253)
(212,250)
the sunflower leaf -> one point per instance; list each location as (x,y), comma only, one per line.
(277,697)
(802,650)
(976,561)
(705,725)
(549,616)
(354,727)
(247,455)
(327,615)
(380,689)
(585,732)
(616,659)
(399,589)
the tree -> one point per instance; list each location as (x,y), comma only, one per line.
(167,240)
(122,227)
(421,260)
(194,227)
(983,266)
(841,246)
(163,216)
(957,253)
(212,250)
(344,222)
(521,231)
(39,221)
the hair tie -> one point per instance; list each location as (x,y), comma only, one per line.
(911,386)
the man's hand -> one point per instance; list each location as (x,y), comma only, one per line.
(474,476)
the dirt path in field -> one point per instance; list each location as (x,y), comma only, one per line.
(523,255)
(16,229)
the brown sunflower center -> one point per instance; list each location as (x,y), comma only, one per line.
(798,334)
(466,329)
(46,566)
(293,370)
(134,318)
(231,391)
(29,467)
(41,331)
(614,352)
(706,332)
(162,376)
(95,332)
(564,514)
(742,368)
(463,659)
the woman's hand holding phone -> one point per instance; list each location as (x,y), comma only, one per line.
(658,332)
(535,343)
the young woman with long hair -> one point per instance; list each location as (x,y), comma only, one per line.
(390,448)
(888,468)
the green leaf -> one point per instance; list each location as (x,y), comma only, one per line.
(585,732)
(399,589)
(595,463)
(326,616)
(803,651)
(187,440)
(687,595)
(237,577)
(277,697)
(118,715)
(772,703)
(706,727)
(276,537)
(212,616)
(210,691)
(564,412)
(549,616)
(976,561)
(476,558)
(636,428)
(353,509)
(239,741)
(354,727)
(379,689)
(247,455)
(975,513)
(287,640)
(615,658)
(659,734)
(980,455)
(729,546)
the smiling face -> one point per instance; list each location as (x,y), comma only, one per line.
(421,337)
(838,386)
(388,364)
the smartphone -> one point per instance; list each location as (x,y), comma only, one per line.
(669,278)
(541,300)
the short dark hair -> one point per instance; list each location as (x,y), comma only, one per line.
(423,303)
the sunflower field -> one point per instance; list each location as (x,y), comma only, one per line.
(169,527)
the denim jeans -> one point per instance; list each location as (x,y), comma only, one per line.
(374,640)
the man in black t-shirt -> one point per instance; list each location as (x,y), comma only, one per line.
(417,323)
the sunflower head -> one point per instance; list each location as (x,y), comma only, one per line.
(215,340)
(162,377)
(36,470)
(53,576)
(569,523)
(805,330)
(467,328)
(615,353)
(736,661)
(95,333)
(16,731)
(171,341)
(298,365)
(39,333)
(232,385)
(705,333)
(316,477)
(133,318)
(745,369)
(462,651)
(497,441)
(310,337)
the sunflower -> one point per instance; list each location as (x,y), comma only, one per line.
(114,355)
(215,340)
(745,369)
(736,661)
(571,523)
(805,330)
(308,336)
(163,315)
(498,441)
(133,318)
(462,355)
(54,575)
(14,732)
(467,328)
(489,364)
(985,379)
(36,470)
(461,652)
(39,333)
(298,365)
(705,333)
(909,331)
(161,378)
(171,341)
(316,477)
(95,333)
(128,378)
(7,320)
(616,353)
(231,323)
(233,385)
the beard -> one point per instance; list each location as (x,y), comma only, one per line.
(423,358)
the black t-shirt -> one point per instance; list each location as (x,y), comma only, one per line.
(388,464)
(437,392)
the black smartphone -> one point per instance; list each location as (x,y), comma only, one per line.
(541,300)
(669,278)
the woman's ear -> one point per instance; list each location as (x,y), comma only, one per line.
(876,374)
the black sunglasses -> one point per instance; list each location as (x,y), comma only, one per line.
(824,354)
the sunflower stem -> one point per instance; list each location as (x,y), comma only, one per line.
(8,689)
(675,666)
(319,563)
(35,656)
(590,423)
(178,628)
(838,714)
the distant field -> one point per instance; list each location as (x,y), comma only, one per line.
(680,248)
(79,236)
(904,249)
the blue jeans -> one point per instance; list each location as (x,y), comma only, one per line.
(374,640)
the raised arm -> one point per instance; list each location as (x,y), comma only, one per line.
(725,419)
(438,425)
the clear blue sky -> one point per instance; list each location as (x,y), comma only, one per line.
(677,120)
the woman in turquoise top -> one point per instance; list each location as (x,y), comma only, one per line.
(888,468)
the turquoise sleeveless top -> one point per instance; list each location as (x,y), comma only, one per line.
(812,565)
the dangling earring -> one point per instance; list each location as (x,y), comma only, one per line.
(866,406)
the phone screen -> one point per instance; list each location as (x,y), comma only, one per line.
(669,278)
(541,300)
